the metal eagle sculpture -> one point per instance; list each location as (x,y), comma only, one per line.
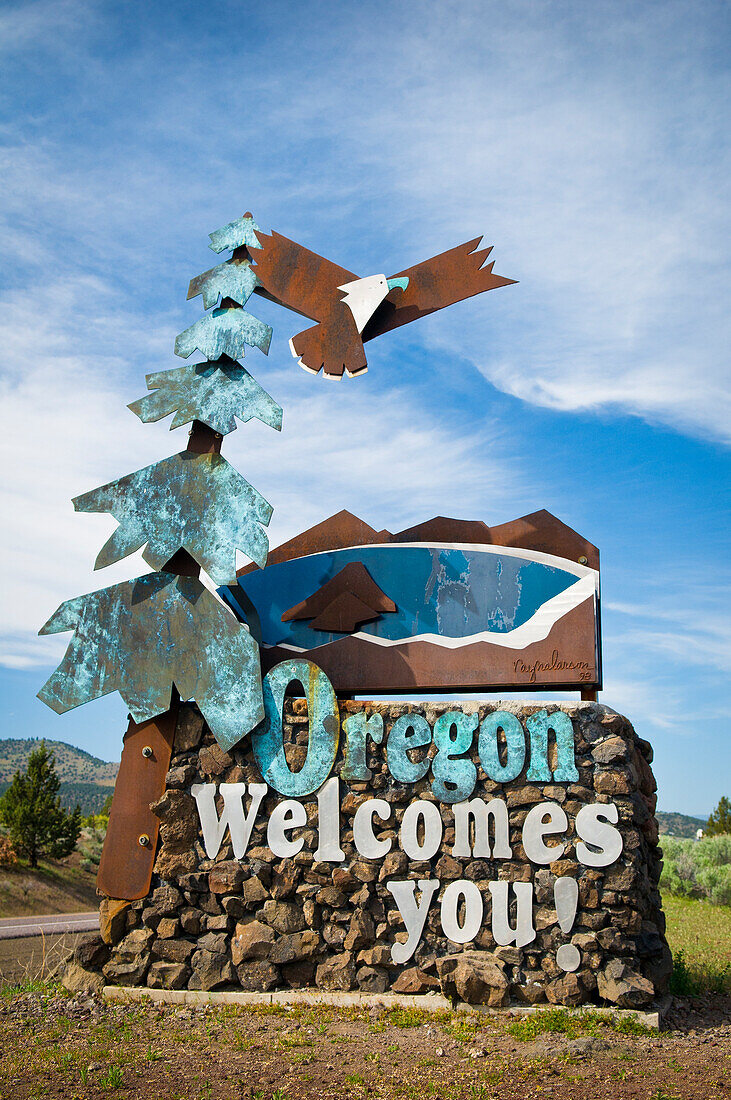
(348,310)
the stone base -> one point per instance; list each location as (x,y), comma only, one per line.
(260,923)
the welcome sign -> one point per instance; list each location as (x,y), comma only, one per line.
(262,839)
(496,852)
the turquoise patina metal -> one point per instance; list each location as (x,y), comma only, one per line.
(224,332)
(538,726)
(214,393)
(228,280)
(324,718)
(141,637)
(194,502)
(358,728)
(489,749)
(237,234)
(455,775)
(409,731)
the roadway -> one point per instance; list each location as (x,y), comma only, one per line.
(16,928)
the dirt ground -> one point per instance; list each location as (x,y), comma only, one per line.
(78,1047)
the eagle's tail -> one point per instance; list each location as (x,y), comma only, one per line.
(333,349)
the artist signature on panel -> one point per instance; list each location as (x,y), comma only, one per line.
(556,664)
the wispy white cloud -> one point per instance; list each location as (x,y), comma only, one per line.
(615,230)
(65,431)
(27,24)
(666,659)
(639,700)
(694,630)
(564,138)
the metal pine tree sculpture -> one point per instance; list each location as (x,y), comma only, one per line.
(164,633)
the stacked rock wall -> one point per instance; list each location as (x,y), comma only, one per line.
(262,922)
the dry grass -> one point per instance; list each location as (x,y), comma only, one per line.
(54,887)
(29,963)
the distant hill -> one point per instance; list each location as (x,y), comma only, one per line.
(84,778)
(679,824)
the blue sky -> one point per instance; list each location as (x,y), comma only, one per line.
(588,143)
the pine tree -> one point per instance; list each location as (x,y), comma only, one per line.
(31,811)
(720,820)
(152,636)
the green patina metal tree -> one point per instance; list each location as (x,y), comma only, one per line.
(165,631)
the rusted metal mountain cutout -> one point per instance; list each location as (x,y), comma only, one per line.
(350,598)
(539,531)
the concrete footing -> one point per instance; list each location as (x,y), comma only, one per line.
(429,1002)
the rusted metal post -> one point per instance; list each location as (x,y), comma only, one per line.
(128,855)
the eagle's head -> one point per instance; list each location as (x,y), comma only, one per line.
(364,296)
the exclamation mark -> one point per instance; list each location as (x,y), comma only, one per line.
(566,897)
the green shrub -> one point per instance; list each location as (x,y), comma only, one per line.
(682,982)
(91,841)
(698,868)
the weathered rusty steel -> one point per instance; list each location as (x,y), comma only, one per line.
(441,281)
(125,867)
(234,280)
(351,597)
(142,637)
(342,529)
(214,393)
(197,502)
(203,440)
(540,531)
(476,607)
(224,331)
(297,278)
(237,234)
(302,281)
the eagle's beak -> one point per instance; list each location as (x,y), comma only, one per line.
(401,283)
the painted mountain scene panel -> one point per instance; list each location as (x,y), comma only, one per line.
(445,605)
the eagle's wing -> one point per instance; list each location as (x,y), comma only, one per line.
(436,283)
(296,278)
